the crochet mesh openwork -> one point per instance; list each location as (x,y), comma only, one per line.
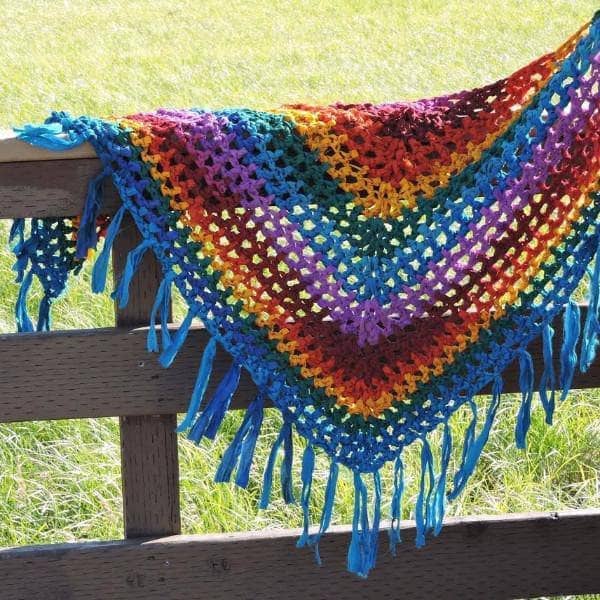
(373,267)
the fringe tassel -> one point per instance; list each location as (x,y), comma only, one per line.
(568,354)
(526,386)
(209,421)
(101,263)
(396,505)
(134,258)
(200,386)
(242,446)
(43,323)
(362,552)
(308,465)
(473,445)
(423,514)
(589,340)
(284,438)
(17,232)
(169,352)
(439,497)
(327,508)
(87,236)
(49,136)
(162,303)
(23,321)
(548,377)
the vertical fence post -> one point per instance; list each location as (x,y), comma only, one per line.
(149,462)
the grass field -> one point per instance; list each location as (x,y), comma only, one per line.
(60,480)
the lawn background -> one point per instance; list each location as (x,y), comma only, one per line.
(60,480)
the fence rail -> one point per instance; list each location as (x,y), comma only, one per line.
(107,372)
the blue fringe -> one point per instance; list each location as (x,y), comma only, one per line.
(43,323)
(439,497)
(548,377)
(17,232)
(473,445)
(87,236)
(210,419)
(134,259)
(200,385)
(362,552)
(23,321)
(526,387)
(242,446)
(327,508)
(162,303)
(568,353)
(285,438)
(423,510)
(396,505)
(308,465)
(101,263)
(169,352)
(589,340)
(49,136)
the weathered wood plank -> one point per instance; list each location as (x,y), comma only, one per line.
(149,461)
(100,373)
(54,188)
(108,372)
(513,556)
(14,150)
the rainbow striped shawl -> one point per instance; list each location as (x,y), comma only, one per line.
(372,267)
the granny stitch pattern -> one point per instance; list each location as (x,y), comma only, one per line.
(372,267)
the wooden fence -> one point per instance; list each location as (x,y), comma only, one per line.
(510,556)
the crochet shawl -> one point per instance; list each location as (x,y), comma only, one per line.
(372,267)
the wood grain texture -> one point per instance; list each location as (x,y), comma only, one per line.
(108,372)
(473,558)
(54,188)
(149,461)
(14,150)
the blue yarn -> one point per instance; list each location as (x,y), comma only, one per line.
(242,447)
(396,505)
(589,340)
(43,323)
(357,559)
(285,434)
(423,512)
(287,484)
(49,136)
(200,385)
(210,419)
(548,377)
(308,465)
(101,263)
(134,259)
(439,498)
(17,230)
(168,353)
(362,551)
(87,236)
(568,353)
(475,444)
(164,290)
(23,321)
(526,387)
(327,508)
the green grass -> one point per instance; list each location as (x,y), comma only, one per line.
(60,480)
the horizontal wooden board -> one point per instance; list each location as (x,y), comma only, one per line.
(108,372)
(514,556)
(98,373)
(54,188)
(13,149)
